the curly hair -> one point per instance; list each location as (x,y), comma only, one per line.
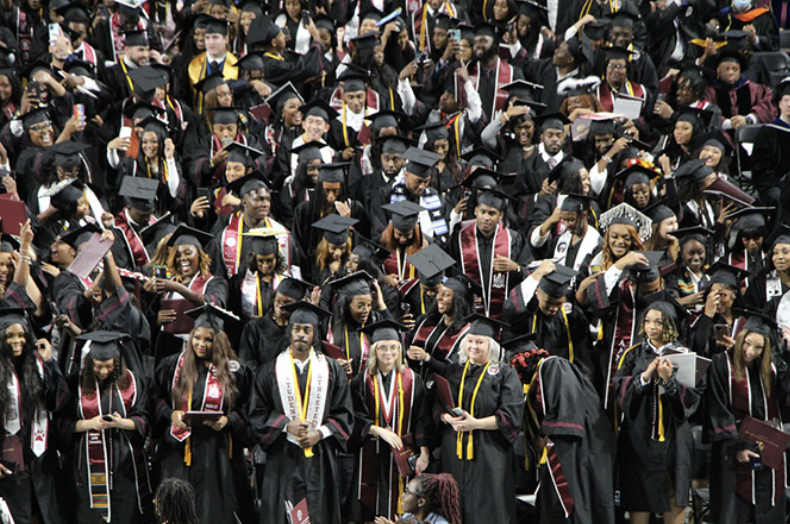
(670,332)
(221,355)
(118,377)
(441,492)
(204,266)
(607,257)
(32,401)
(526,363)
(175,502)
(252,262)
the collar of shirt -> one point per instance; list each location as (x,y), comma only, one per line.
(302,364)
(561,77)
(129,63)
(545,156)
(354,120)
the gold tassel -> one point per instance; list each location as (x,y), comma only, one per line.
(188,453)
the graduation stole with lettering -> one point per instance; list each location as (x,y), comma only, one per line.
(213,400)
(98,444)
(13,423)
(495,293)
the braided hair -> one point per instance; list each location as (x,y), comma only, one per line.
(441,490)
(175,502)
(526,363)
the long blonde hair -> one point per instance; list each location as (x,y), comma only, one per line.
(494,351)
(373,361)
(739,363)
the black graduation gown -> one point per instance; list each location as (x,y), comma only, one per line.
(352,346)
(293,68)
(727,507)
(261,341)
(37,485)
(118,82)
(493,464)
(583,444)
(289,475)
(129,465)
(307,213)
(648,467)
(219,470)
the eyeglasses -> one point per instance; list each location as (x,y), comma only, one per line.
(615,67)
(407,491)
(38,128)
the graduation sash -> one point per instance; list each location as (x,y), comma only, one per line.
(231,243)
(504,76)
(89,54)
(311,409)
(588,244)
(558,478)
(372,100)
(118,38)
(446,344)
(97,443)
(24,33)
(740,393)
(198,284)
(397,264)
(13,422)
(607,96)
(621,340)
(495,293)
(392,410)
(133,242)
(251,292)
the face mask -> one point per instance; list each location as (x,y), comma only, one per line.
(740,5)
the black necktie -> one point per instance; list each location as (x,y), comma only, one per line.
(215,67)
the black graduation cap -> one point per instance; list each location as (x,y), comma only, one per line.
(284,93)
(695,170)
(431,262)
(11,313)
(145,80)
(372,13)
(354,79)
(551,121)
(385,118)
(752,217)
(596,30)
(262,31)
(470,286)
(212,81)
(140,193)
(224,115)
(252,6)
(396,144)
(730,55)
(667,305)
(152,234)
(305,312)
(435,131)
(699,118)
(781,235)
(534,11)
(76,237)
(105,345)
(636,174)
(483,178)
(404,214)
(484,326)
(618,53)
(624,18)
(494,197)
(79,68)
(647,273)
(557,283)
(263,241)
(735,38)
(189,236)
(579,51)
(369,40)
(488,28)
(325,22)
(333,173)
(558,170)
(251,62)
(141,110)
(715,139)
(758,322)
(581,86)
(135,39)
(384,330)
(212,317)
(309,151)
(67,154)
(335,228)
(520,343)
(8,244)
(153,124)
(242,153)
(294,288)
(64,195)
(36,116)
(420,161)
(75,12)
(698,233)
(37,65)
(252,182)
(354,284)
(217,26)
(575,203)
(482,156)
(367,249)
(658,211)
(318,107)
(725,273)
(444,21)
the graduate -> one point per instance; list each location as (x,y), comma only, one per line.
(301,438)
(139,198)
(252,291)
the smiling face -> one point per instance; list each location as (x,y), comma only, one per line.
(187,261)
(61,253)
(359,307)
(387,354)
(150,144)
(693,253)
(266,264)
(314,127)
(41,134)
(641,194)
(683,133)
(6,268)
(15,338)
(412,497)
(103,368)
(203,343)
(525,132)
(753,347)
(781,257)
(444,300)
(477,348)
(619,239)
(291,114)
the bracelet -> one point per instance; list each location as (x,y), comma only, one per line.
(606,159)
(507,118)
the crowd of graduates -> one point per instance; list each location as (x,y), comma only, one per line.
(384,261)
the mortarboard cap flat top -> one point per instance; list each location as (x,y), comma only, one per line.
(420,161)
(309,151)
(372,13)
(212,81)
(384,330)
(404,214)
(624,18)
(557,171)
(154,233)
(74,12)
(63,195)
(333,173)
(105,345)
(135,39)
(627,215)
(552,121)
(36,116)
(325,22)
(522,88)
(521,342)
(486,28)
(557,283)
(695,170)
(294,288)
(67,154)
(724,273)
(636,174)
(659,211)
(431,262)
(252,6)
(76,237)
(596,30)
(699,118)
(189,236)
(471,287)
(758,322)
(532,10)
(435,131)
(579,86)
(140,192)
(305,312)
(335,228)
(146,79)
(217,26)
(263,241)
(483,178)
(485,326)
(211,316)
(384,118)
(354,284)
(369,40)
(251,62)
(224,115)
(366,248)
(262,31)
(698,233)
(665,303)
(396,144)
(242,153)
(252,182)
(576,203)
(482,156)
(618,53)
(494,197)
(318,107)
(781,235)
(154,125)
(729,55)
(752,217)
(286,92)
(642,273)
(141,110)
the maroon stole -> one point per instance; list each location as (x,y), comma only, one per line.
(218,207)
(504,76)
(494,296)
(231,243)
(133,241)
(606,95)
(24,33)
(89,54)
(446,344)
(118,37)
(397,264)
(622,338)
(741,400)
(399,421)
(97,444)
(9,110)
(336,101)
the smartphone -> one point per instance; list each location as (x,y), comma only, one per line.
(405,308)
(107,418)
(420,57)
(721,331)
(457,412)
(79,111)
(126,132)
(305,18)
(204,192)
(756,462)
(54,33)
(34,88)
(455,34)
(160,272)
